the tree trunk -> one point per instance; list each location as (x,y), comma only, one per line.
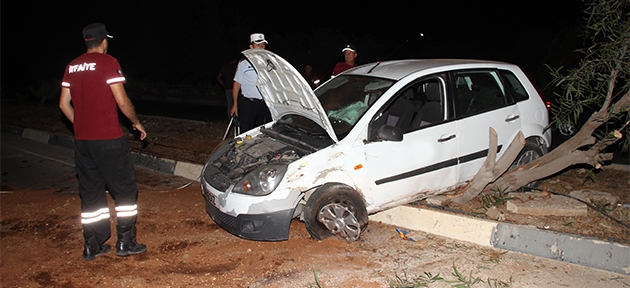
(490,169)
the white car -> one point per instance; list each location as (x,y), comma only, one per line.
(374,137)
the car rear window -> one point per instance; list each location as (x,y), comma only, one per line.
(514,87)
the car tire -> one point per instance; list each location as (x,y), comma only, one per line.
(532,151)
(567,131)
(335,209)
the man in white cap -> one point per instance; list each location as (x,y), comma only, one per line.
(251,110)
(349,55)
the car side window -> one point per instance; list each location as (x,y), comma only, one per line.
(478,91)
(417,105)
(432,93)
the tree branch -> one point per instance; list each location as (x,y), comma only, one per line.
(491,169)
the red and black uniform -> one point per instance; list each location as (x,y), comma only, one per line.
(102,157)
(88,77)
(312,80)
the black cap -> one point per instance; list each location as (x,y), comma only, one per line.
(95,32)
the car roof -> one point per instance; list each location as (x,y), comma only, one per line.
(398,69)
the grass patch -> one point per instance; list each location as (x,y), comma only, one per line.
(460,280)
(494,199)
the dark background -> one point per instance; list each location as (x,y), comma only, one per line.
(190,40)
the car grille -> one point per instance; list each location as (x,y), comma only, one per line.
(216,180)
(221,218)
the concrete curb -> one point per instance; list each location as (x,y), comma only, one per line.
(529,240)
(178,168)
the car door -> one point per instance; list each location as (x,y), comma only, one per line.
(426,158)
(481,103)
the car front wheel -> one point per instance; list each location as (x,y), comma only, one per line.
(335,209)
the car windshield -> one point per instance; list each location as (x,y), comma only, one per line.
(345,99)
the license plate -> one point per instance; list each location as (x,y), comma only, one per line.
(213,199)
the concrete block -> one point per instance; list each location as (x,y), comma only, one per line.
(63,141)
(154,162)
(562,247)
(36,135)
(188,170)
(458,227)
(598,196)
(545,204)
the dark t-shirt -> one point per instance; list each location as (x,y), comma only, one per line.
(312,80)
(227,74)
(89,77)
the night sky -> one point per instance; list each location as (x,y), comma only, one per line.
(190,40)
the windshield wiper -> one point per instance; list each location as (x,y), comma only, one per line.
(297,129)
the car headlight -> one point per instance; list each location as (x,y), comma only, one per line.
(261,181)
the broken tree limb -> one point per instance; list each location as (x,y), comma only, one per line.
(491,169)
(566,155)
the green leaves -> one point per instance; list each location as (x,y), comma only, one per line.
(602,77)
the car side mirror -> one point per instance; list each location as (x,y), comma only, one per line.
(389,133)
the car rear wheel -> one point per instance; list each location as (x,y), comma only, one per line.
(335,209)
(567,130)
(530,152)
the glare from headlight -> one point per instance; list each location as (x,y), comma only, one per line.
(261,181)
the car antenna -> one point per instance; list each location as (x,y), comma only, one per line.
(390,54)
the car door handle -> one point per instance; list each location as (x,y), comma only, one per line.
(511,118)
(445,138)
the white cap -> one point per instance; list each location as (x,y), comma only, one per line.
(257,38)
(350,47)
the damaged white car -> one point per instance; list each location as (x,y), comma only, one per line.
(374,137)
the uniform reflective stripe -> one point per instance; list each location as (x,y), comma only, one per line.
(65,84)
(96,213)
(91,217)
(114,80)
(127,211)
(127,214)
(126,208)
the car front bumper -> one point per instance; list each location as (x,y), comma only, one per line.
(271,226)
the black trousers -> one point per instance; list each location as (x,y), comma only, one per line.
(105,165)
(252,113)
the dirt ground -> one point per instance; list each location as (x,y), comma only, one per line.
(41,247)
(41,234)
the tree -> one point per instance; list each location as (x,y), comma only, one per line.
(600,81)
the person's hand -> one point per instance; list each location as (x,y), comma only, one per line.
(140,128)
(234,111)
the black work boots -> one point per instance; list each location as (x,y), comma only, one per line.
(126,244)
(92,249)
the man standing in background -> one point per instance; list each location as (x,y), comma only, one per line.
(349,55)
(310,77)
(251,110)
(226,79)
(92,89)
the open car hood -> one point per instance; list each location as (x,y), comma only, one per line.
(285,91)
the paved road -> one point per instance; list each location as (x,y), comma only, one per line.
(28,164)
